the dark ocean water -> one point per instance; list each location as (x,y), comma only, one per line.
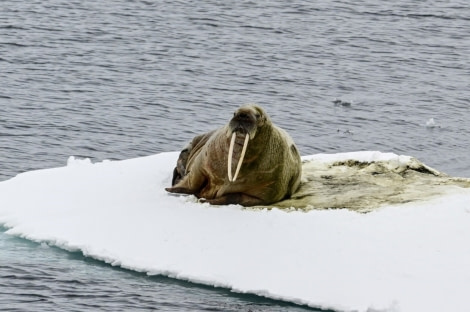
(122,79)
(36,277)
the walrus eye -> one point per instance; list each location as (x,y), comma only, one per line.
(258,116)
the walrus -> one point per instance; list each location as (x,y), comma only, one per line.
(249,161)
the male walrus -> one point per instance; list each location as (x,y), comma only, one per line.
(249,161)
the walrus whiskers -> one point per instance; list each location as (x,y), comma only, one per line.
(240,161)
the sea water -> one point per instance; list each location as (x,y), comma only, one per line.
(122,79)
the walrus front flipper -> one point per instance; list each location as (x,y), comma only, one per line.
(180,190)
(235,198)
(176,176)
(180,170)
(190,150)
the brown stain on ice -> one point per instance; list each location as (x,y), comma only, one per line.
(365,186)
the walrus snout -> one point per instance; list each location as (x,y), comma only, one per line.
(244,116)
(243,122)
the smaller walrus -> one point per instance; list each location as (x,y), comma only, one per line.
(249,161)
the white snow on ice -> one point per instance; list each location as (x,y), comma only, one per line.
(412,257)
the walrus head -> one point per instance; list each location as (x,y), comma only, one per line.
(246,122)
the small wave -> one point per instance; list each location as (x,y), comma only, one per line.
(12,27)
(15,44)
(416,15)
(339,102)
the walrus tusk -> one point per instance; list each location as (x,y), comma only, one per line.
(230,153)
(239,165)
(240,161)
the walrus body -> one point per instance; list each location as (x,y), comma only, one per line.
(249,161)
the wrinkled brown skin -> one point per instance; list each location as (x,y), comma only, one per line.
(270,171)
